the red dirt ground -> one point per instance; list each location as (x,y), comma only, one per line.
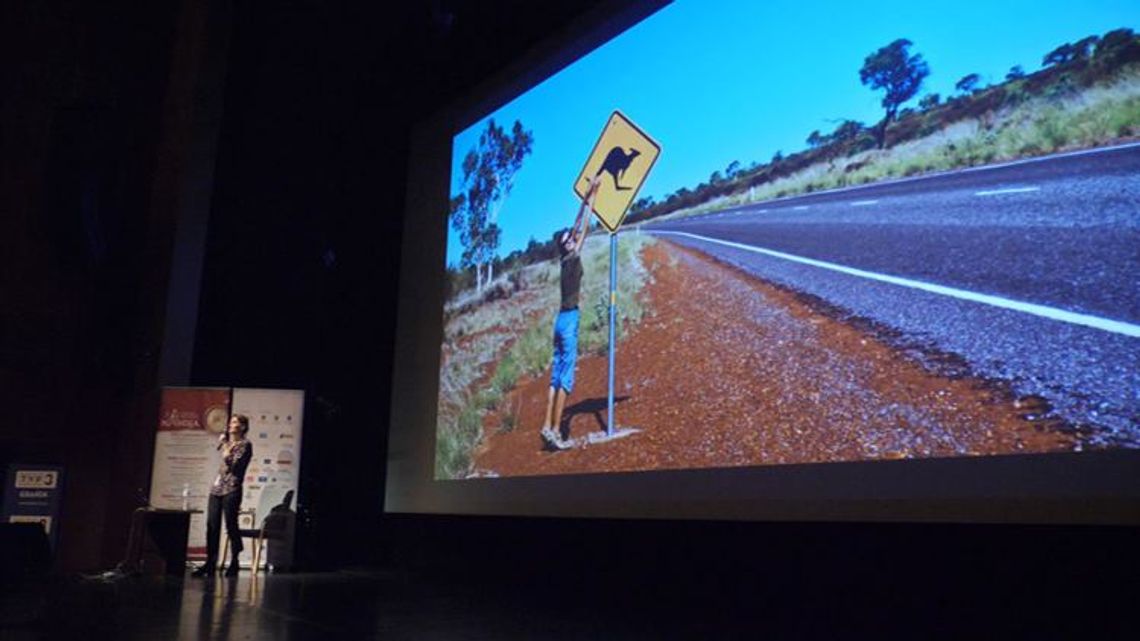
(728,370)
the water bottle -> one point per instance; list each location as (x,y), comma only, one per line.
(185,496)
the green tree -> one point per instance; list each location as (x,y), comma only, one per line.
(847,131)
(1059,56)
(815,140)
(968,84)
(899,74)
(732,170)
(1083,48)
(1015,72)
(641,204)
(929,101)
(1117,47)
(488,176)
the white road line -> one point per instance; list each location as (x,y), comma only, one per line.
(1011,190)
(863,203)
(1086,320)
(800,207)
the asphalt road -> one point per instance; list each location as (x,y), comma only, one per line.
(1029,272)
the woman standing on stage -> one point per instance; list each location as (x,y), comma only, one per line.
(225,495)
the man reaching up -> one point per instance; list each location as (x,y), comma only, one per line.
(569,242)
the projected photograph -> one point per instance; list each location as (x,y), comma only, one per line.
(899,231)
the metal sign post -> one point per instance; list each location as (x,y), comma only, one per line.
(613,332)
(621,159)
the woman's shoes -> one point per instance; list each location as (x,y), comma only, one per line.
(205,569)
(208,569)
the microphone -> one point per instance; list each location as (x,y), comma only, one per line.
(222,440)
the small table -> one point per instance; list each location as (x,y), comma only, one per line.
(157,541)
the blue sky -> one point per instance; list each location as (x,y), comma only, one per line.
(714,82)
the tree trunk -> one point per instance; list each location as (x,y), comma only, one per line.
(882,134)
(490,272)
(478,278)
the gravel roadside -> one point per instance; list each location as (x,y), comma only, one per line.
(726,370)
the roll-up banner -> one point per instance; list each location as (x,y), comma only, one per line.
(275,433)
(186,459)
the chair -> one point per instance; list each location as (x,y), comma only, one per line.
(252,514)
(275,526)
(278,527)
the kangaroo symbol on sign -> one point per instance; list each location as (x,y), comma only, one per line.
(615,164)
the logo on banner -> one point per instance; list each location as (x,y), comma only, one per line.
(181,420)
(36,479)
(217,418)
(32,518)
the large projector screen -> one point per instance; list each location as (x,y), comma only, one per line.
(886,264)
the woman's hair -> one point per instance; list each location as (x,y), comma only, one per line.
(244,420)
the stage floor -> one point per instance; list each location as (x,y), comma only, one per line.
(367,604)
(536,601)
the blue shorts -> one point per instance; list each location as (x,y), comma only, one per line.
(565,350)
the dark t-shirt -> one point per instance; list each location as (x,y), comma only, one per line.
(571,280)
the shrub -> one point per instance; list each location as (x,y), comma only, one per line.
(506,373)
(455,440)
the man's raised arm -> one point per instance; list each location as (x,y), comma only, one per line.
(583,219)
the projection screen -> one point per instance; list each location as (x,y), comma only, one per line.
(874,262)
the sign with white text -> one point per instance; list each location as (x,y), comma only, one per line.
(32,495)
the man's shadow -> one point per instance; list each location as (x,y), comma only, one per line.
(596,406)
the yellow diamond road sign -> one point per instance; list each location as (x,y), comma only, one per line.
(621,159)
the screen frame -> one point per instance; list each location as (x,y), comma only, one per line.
(1094,487)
